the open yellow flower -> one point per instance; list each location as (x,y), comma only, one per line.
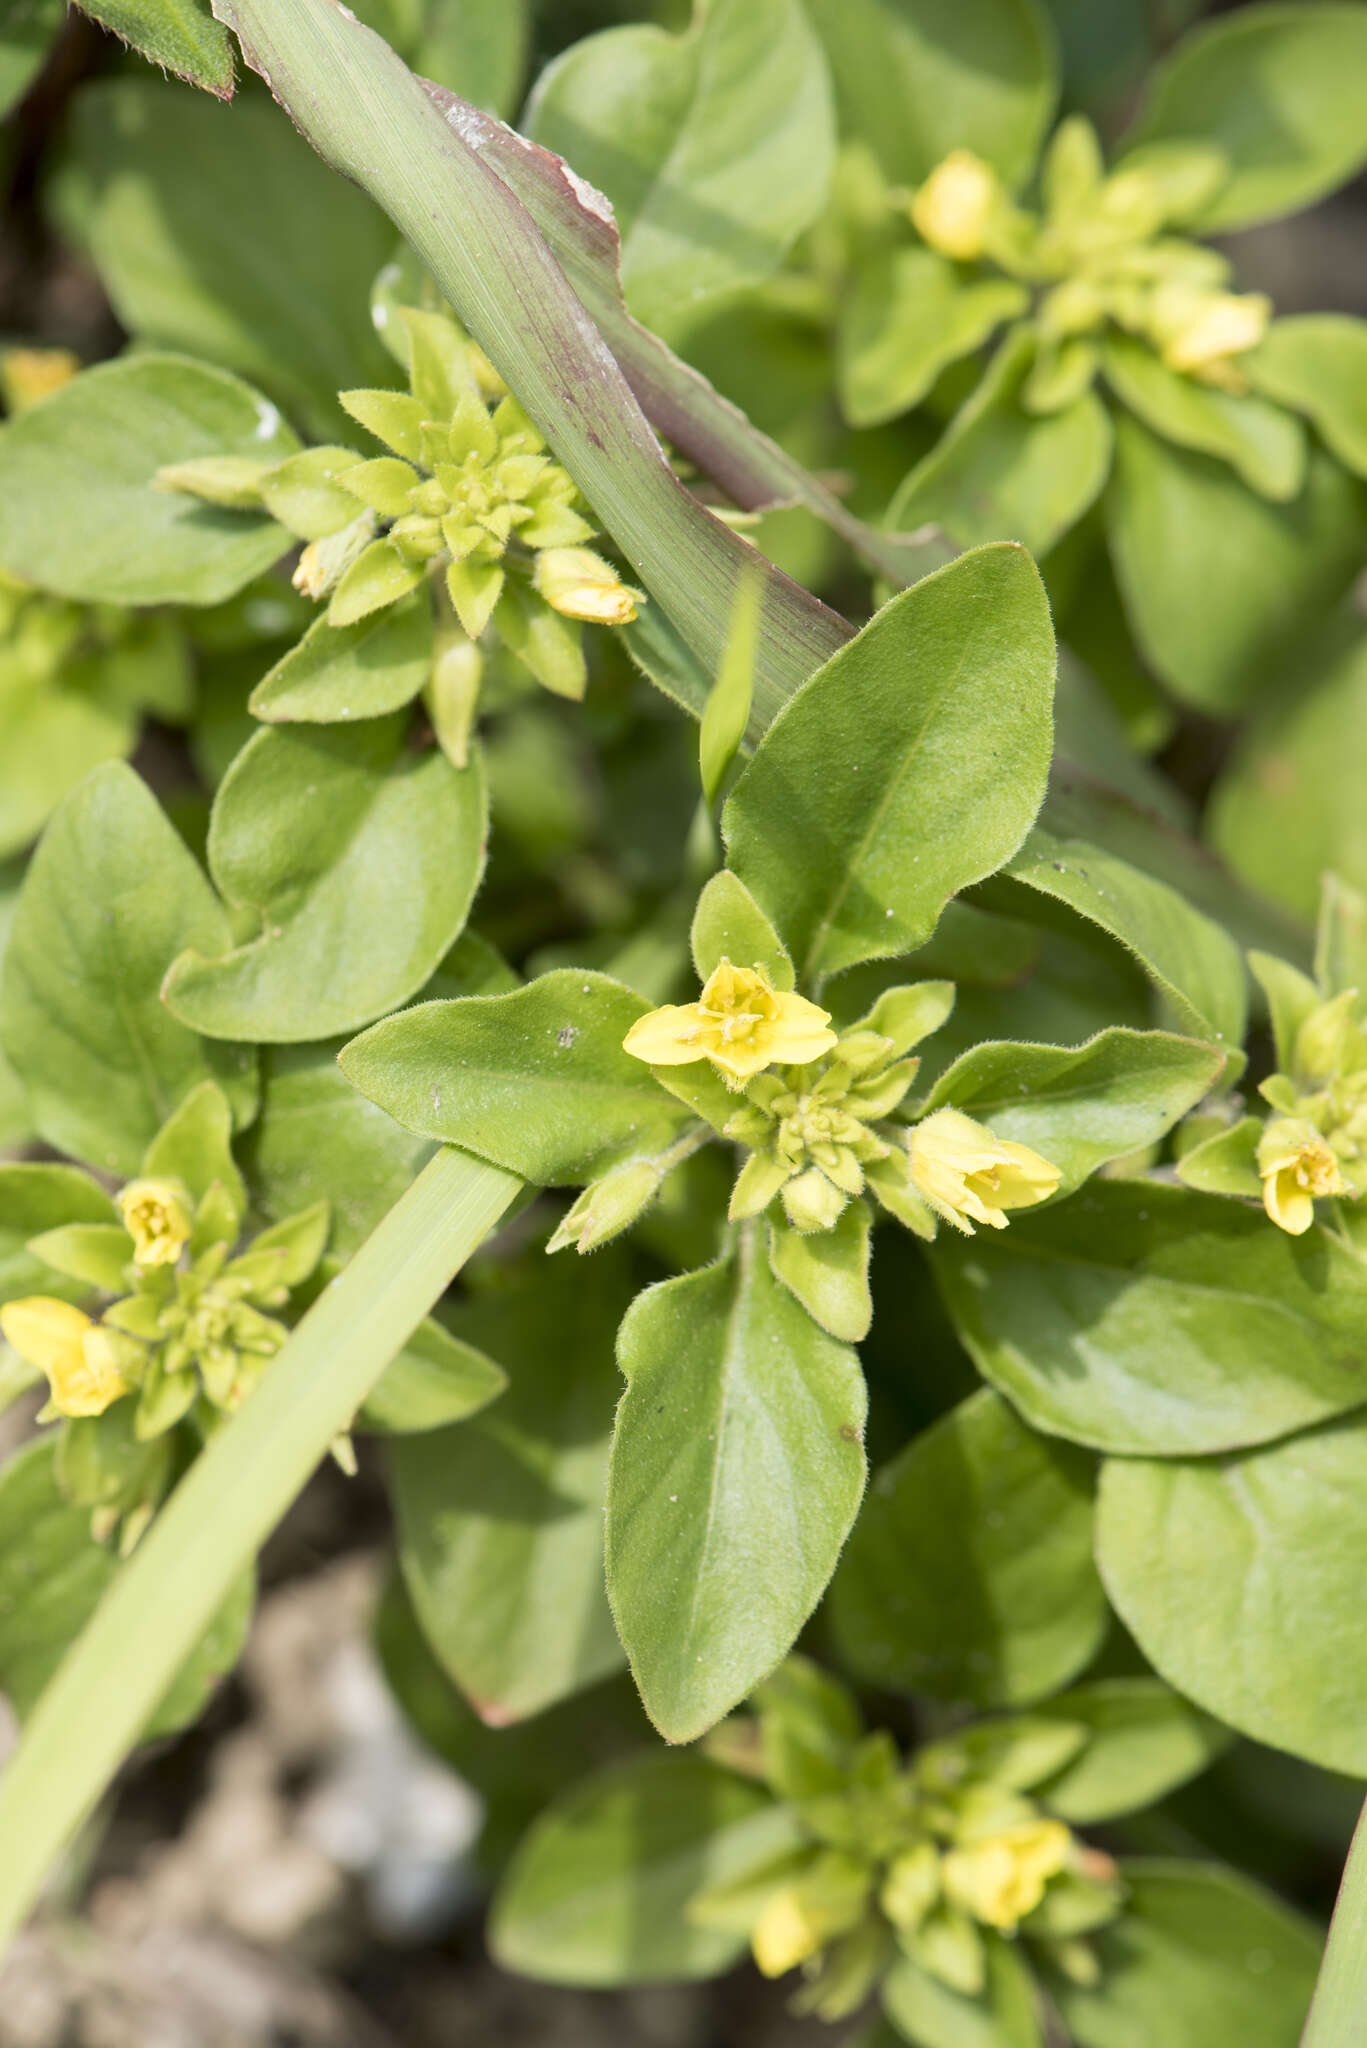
(740,1022)
(1295,1166)
(954,207)
(1002,1878)
(78,1357)
(156,1215)
(964,1171)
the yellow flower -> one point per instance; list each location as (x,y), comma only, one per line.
(1198,332)
(964,1171)
(1295,1165)
(156,1215)
(78,1356)
(581,585)
(28,374)
(741,1022)
(786,1932)
(954,207)
(1002,1878)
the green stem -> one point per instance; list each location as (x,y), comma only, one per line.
(1340,2003)
(164,1598)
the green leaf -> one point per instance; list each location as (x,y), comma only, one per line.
(1219,584)
(435,1380)
(536,1080)
(1200,1954)
(931,2015)
(1081,1105)
(1260,1551)
(1143,1741)
(341,673)
(907,317)
(828,1271)
(51,735)
(35,1199)
(599,1890)
(79,510)
(715,147)
(30,28)
(920,752)
(500,1519)
(94,1254)
(180,35)
(111,897)
(1317,363)
(1262,443)
(1143,1318)
(737,1467)
(360,859)
(969,1575)
(476,47)
(195,1146)
(1288,805)
(52,1574)
(1001,473)
(726,714)
(728,924)
(917,78)
(1341,937)
(1226,1164)
(1195,965)
(1279,89)
(213,264)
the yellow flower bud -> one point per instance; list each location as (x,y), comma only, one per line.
(1296,1166)
(741,1023)
(581,585)
(964,1171)
(786,1933)
(78,1357)
(1198,331)
(1002,1878)
(954,207)
(28,374)
(156,1215)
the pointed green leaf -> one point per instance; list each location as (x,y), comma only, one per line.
(338,673)
(180,35)
(94,1254)
(828,1271)
(435,1380)
(920,752)
(737,1467)
(1264,444)
(194,1145)
(907,318)
(728,924)
(930,2014)
(1143,1740)
(35,1199)
(1317,363)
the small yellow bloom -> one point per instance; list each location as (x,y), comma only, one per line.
(964,1171)
(581,585)
(741,1023)
(1295,1166)
(1199,331)
(1002,1878)
(77,1356)
(156,1215)
(954,207)
(786,1933)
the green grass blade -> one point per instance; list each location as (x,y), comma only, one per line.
(1338,2011)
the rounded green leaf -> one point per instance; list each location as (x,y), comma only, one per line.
(536,1080)
(1241,1580)
(1143,1318)
(917,78)
(34,1199)
(1219,584)
(1264,444)
(1317,362)
(599,1890)
(501,1518)
(920,753)
(1080,1106)
(111,897)
(1280,90)
(79,510)
(285,303)
(737,1468)
(907,317)
(1199,1955)
(360,859)
(714,147)
(929,2014)
(435,1380)
(969,1574)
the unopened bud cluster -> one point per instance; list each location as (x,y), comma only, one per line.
(928,1857)
(1101,252)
